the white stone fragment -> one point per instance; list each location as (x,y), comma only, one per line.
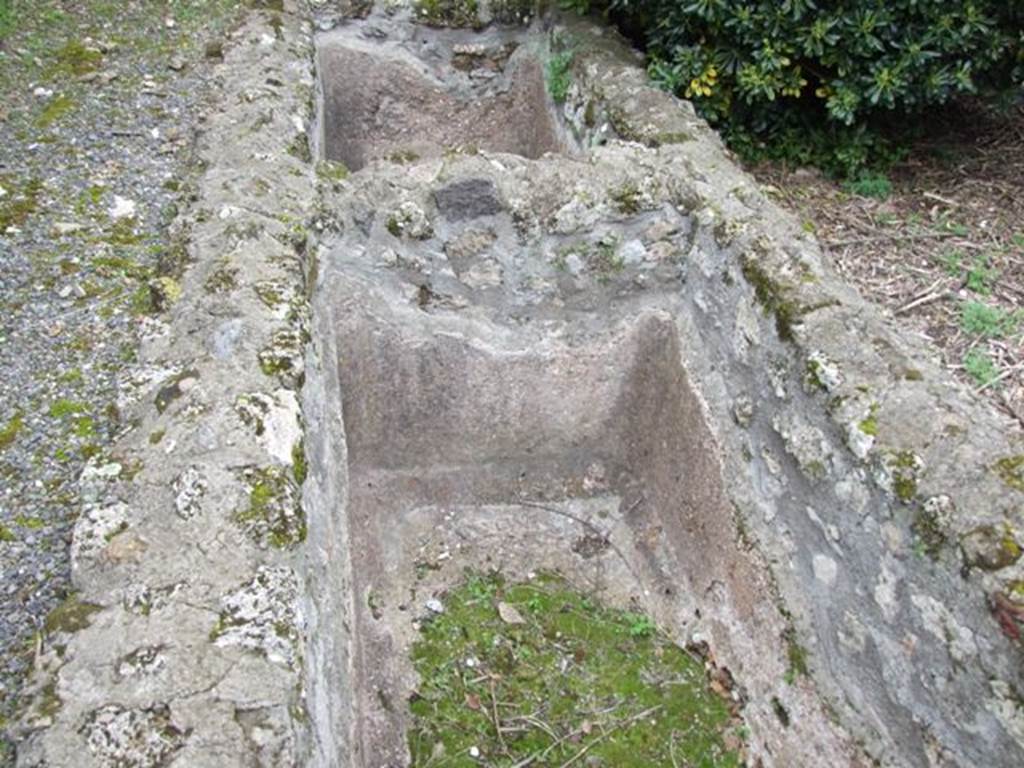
(434,605)
(123,208)
(825,569)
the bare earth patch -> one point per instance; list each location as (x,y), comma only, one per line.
(944,251)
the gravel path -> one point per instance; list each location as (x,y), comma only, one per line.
(97,106)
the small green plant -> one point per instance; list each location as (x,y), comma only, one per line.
(640,626)
(954,227)
(874,185)
(986,321)
(559,75)
(797,656)
(605,258)
(953,262)
(980,367)
(9,432)
(329,170)
(64,407)
(981,276)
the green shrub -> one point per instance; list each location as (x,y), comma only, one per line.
(812,79)
(873,185)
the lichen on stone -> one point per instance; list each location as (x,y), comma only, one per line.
(273,515)
(990,547)
(164,292)
(147,660)
(409,220)
(805,443)
(898,472)
(132,738)
(94,529)
(223,279)
(277,295)
(189,488)
(262,616)
(332,171)
(274,419)
(821,373)
(283,357)
(142,599)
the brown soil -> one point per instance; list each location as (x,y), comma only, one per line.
(951,232)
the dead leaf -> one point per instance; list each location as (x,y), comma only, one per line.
(473,701)
(509,614)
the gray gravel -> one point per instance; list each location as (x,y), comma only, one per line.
(96,113)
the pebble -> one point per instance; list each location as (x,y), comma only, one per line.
(434,605)
(123,208)
(67,227)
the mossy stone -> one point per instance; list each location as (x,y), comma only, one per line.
(72,615)
(773,296)
(990,548)
(1011,471)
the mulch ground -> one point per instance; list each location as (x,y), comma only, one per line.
(948,238)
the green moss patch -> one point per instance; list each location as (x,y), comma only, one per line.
(65,407)
(74,58)
(54,110)
(628,199)
(538,674)
(274,515)
(9,432)
(1010,470)
(72,615)
(990,548)
(20,202)
(773,297)
(330,170)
